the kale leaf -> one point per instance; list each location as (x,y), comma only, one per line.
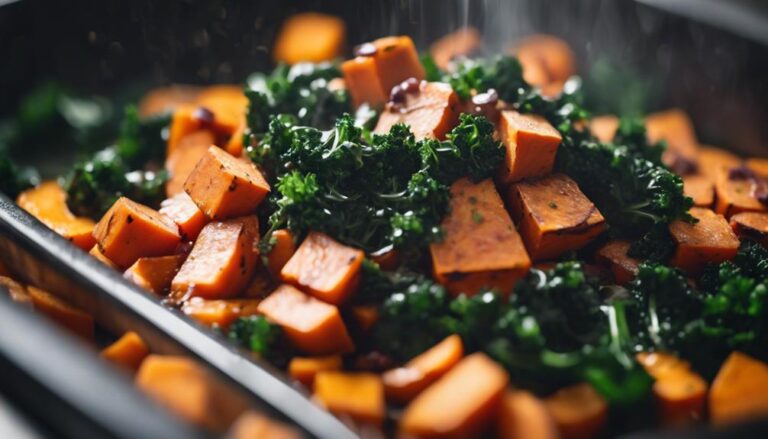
(260,336)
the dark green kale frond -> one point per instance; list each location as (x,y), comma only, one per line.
(260,336)
(15,178)
(631,133)
(503,74)
(141,139)
(432,73)
(752,260)
(656,245)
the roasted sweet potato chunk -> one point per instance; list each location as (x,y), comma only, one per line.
(127,352)
(739,391)
(325,268)
(182,160)
(675,127)
(223,186)
(604,127)
(62,313)
(313,326)
(700,188)
(548,53)
(711,159)
(251,425)
(129,231)
(460,403)
(709,241)
(311,37)
(363,83)
(758,166)
(554,216)
(614,255)
(304,369)
(461,42)
(751,225)
(219,312)
(578,411)
(228,105)
(96,253)
(222,260)
(154,273)
(283,249)
(736,193)
(481,247)
(523,416)
(48,203)
(358,395)
(531,144)
(163,100)
(680,392)
(184,212)
(431,112)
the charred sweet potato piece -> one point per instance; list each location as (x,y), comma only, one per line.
(431,112)
(751,225)
(554,216)
(223,186)
(62,313)
(700,188)
(311,325)
(235,145)
(96,253)
(604,127)
(184,212)
(675,127)
(219,312)
(365,316)
(311,37)
(228,105)
(388,260)
(283,249)
(734,193)
(481,247)
(304,369)
(523,416)
(251,425)
(154,273)
(222,260)
(325,268)
(711,159)
(460,42)
(680,392)
(548,53)
(531,144)
(578,411)
(739,391)
(460,403)
(129,231)
(162,100)
(127,352)
(188,120)
(614,256)
(404,383)
(358,395)
(48,203)
(709,241)
(758,166)
(182,160)
(363,83)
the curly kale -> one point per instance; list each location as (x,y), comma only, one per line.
(141,139)
(260,336)
(503,74)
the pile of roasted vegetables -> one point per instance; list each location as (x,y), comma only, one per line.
(439,246)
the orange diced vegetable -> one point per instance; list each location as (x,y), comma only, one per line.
(310,36)
(260,285)
(461,42)
(711,159)
(313,326)
(523,416)
(388,260)
(604,127)
(236,146)
(734,195)
(17,291)
(751,225)
(680,392)
(224,186)
(363,83)
(154,273)
(554,216)
(182,160)
(431,112)
(700,189)
(222,260)
(357,395)
(253,425)
(480,247)
(96,253)
(366,316)
(549,53)
(129,231)
(304,369)
(219,312)
(709,241)
(578,411)
(460,403)
(162,100)
(531,144)
(228,105)
(184,122)
(676,128)
(282,251)
(397,60)
(758,166)
(48,203)
(127,352)
(404,383)
(62,313)
(327,269)
(614,255)
(184,212)
(739,391)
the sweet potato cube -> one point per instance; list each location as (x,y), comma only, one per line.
(62,313)
(604,127)
(397,60)
(219,312)
(304,369)
(552,54)
(48,203)
(223,186)
(531,144)
(96,253)
(431,112)
(461,42)
(222,260)
(127,352)
(363,83)
(325,268)
(578,411)
(680,392)
(675,127)
(614,256)
(734,194)
(283,249)
(155,273)
(709,241)
(311,37)
(751,225)
(188,120)
(711,159)
(523,416)
(739,391)
(758,166)
(184,212)
(311,325)
(554,216)
(700,188)
(365,316)
(228,104)
(181,161)
(252,425)
(460,403)
(404,383)
(358,395)
(480,247)
(129,231)
(162,100)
